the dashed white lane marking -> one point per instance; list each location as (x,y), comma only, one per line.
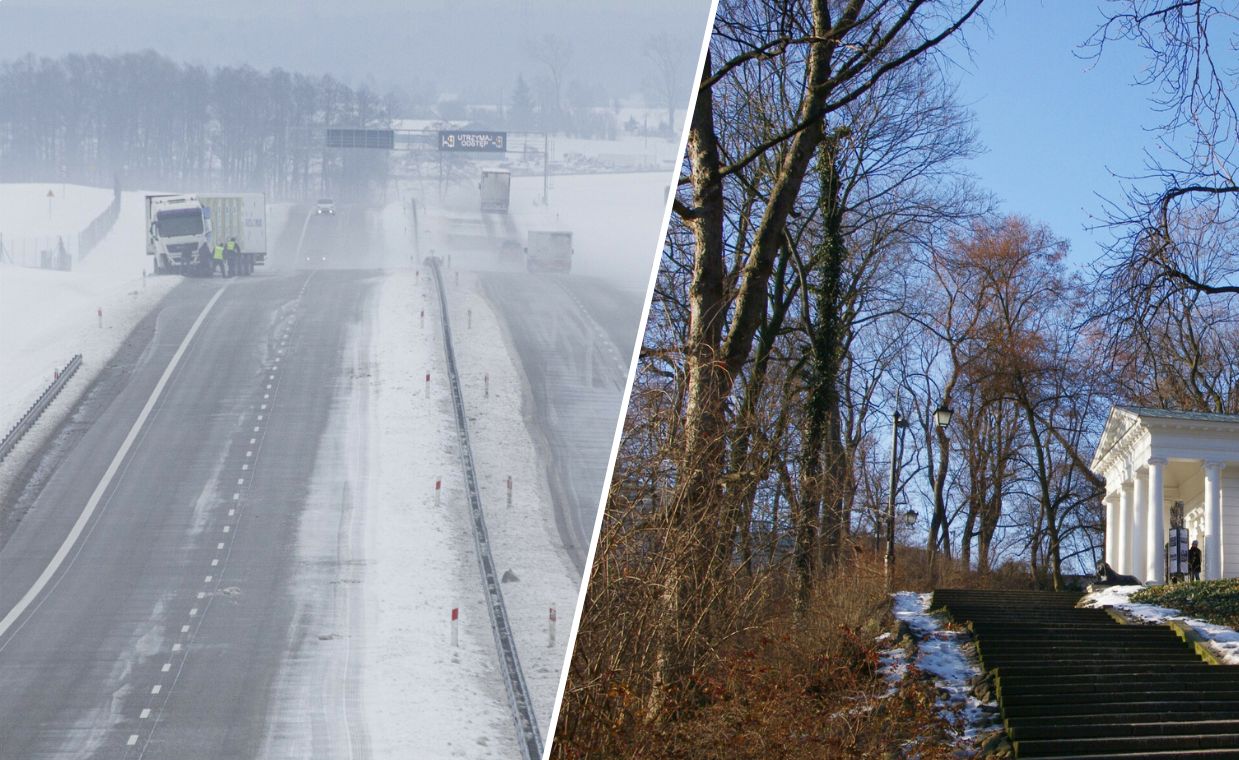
(232,512)
(184,629)
(156,688)
(259,417)
(245,467)
(193,612)
(221,545)
(133,739)
(240,481)
(264,406)
(146,713)
(266,395)
(17,610)
(249,453)
(227,528)
(253,441)
(236,496)
(214,563)
(208,579)
(255,428)
(166,667)
(176,647)
(202,595)
(268,387)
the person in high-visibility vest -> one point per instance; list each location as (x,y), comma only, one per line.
(217,259)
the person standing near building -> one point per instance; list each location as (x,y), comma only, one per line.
(1193,562)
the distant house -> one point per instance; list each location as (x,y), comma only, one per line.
(1153,458)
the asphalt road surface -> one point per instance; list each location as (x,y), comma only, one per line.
(575,338)
(146,609)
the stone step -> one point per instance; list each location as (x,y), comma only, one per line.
(1076,669)
(1136,693)
(1085,747)
(1095,730)
(1086,688)
(1115,720)
(1182,710)
(1202,754)
(1202,678)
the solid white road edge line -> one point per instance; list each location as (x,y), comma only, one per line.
(93,502)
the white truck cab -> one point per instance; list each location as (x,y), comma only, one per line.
(178,232)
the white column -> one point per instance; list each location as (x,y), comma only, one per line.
(1213,521)
(1112,529)
(1126,517)
(1155,549)
(1140,525)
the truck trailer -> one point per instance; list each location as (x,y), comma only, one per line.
(182,230)
(495,189)
(549,251)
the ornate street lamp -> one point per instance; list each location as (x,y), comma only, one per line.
(942,415)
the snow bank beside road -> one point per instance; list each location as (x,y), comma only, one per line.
(47,316)
(423,697)
(1223,641)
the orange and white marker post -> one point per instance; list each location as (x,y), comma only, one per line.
(98,311)
(438,489)
(486,385)
(423,317)
(550,629)
(456,626)
(427,385)
(509,492)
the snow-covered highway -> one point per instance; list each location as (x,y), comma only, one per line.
(265,572)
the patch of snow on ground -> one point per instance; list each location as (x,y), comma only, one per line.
(1223,641)
(423,697)
(942,654)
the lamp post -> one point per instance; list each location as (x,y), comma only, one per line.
(899,424)
(942,416)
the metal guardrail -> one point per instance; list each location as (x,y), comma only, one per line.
(38,407)
(529,734)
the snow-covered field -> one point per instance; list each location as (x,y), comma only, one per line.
(47,316)
(1221,640)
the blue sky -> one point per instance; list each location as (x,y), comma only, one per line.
(1056,126)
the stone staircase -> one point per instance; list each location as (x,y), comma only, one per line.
(1078,683)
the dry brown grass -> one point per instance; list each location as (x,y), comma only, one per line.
(778,685)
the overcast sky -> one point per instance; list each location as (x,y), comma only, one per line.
(461,46)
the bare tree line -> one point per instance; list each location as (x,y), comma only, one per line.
(153,122)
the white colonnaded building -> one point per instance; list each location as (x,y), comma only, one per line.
(1152,459)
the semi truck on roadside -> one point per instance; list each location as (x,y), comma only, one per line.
(182,230)
(495,189)
(549,251)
